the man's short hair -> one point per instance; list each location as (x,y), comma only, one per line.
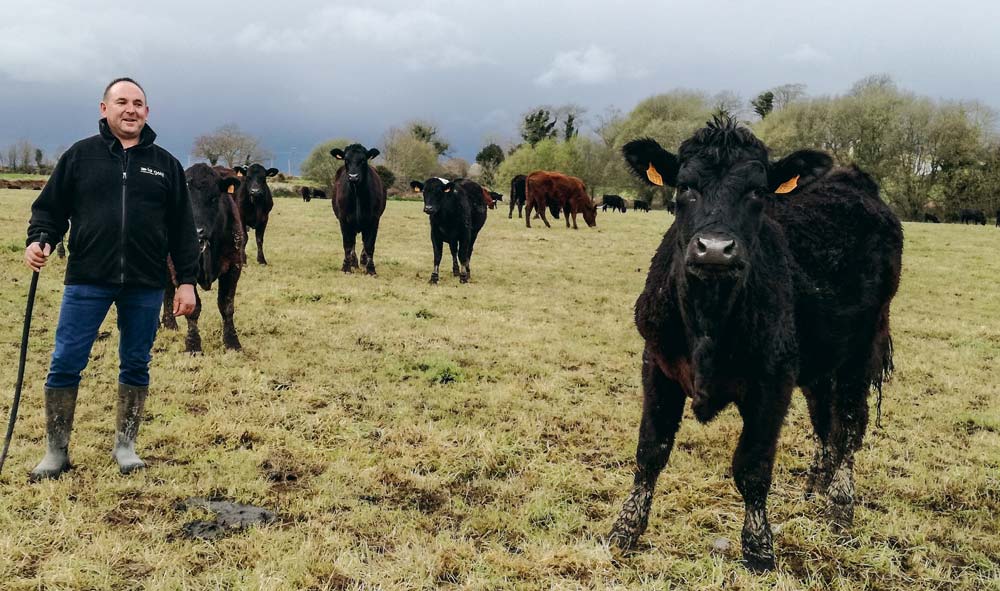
(116,81)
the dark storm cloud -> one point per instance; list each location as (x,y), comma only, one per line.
(296,73)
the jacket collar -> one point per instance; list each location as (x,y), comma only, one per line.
(146,136)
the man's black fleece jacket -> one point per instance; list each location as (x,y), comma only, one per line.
(129,209)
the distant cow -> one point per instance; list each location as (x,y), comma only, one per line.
(998,218)
(256,202)
(457,212)
(930,217)
(614,202)
(671,206)
(306,193)
(638,204)
(975,216)
(318,194)
(487,198)
(497,197)
(358,203)
(559,191)
(220,238)
(752,293)
(516,195)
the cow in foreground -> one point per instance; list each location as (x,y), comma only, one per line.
(220,240)
(255,201)
(775,274)
(639,204)
(975,216)
(358,203)
(614,202)
(457,212)
(558,191)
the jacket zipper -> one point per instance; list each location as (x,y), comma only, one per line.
(124,187)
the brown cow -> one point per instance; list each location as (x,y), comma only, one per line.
(559,191)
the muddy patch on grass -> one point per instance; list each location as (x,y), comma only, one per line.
(230,517)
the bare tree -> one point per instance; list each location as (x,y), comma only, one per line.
(787,94)
(25,152)
(231,145)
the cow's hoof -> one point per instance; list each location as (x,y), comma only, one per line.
(169,323)
(841,516)
(455,272)
(434,279)
(758,564)
(463,278)
(261,262)
(346,268)
(232,344)
(623,539)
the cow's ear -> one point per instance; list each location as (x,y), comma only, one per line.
(272,171)
(650,162)
(417,186)
(240,170)
(448,186)
(229,184)
(797,170)
(337,153)
(373,153)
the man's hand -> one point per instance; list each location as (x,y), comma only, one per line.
(35,257)
(184,300)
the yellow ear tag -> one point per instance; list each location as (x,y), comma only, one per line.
(417,190)
(654,176)
(231,189)
(788,186)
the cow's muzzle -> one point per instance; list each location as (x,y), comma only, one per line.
(354,177)
(714,253)
(429,210)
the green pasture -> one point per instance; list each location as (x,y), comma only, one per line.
(481,436)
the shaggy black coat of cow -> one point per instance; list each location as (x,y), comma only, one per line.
(516,195)
(639,204)
(457,212)
(773,275)
(306,193)
(255,201)
(614,202)
(358,203)
(220,240)
(974,216)
(931,218)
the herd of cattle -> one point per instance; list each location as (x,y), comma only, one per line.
(774,274)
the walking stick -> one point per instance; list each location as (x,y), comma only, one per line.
(42,239)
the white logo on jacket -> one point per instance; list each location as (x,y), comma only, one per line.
(152,171)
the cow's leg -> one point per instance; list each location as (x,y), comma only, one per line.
(520,208)
(510,213)
(192,343)
(453,247)
(763,412)
(819,397)
(167,319)
(227,306)
(349,237)
(848,425)
(243,246)
(528,206)
(464,253)
(540,209)
(368,236)
(438,248)
(468,260)
(662,409)
(259,235)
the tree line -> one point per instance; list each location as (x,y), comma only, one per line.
(926,154)
(24,157)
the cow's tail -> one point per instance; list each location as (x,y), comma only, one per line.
(880,365)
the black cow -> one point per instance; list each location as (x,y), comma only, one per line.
(497,197)
(457,212)
(358,203)
(975,216)
(319,194)
(930,217)
(220,238)
(751,293)
(254,198)
(614,202)
(671,206)
(306,193)
(638,204)
(516,195)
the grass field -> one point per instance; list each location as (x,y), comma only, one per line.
(481,436)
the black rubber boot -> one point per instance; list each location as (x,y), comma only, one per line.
(131,401)
(60,406)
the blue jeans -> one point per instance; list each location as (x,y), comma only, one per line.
(83,310)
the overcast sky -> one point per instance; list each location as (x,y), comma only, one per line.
(297,73)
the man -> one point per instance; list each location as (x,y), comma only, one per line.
(128,201)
